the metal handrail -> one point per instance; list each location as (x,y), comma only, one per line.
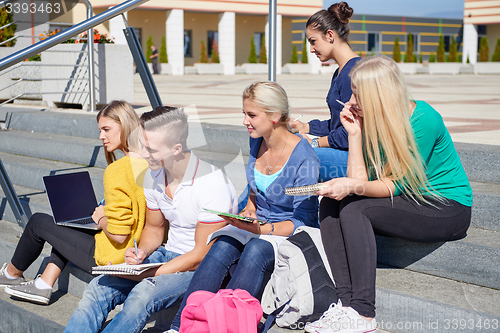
(68,33)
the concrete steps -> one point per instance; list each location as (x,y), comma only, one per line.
(417,284)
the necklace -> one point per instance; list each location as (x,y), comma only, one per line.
(268,167)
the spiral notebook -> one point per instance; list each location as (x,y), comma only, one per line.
(124,269)
(304,190)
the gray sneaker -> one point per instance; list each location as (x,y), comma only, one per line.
(29,292)
(4,282)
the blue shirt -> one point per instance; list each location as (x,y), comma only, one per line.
(340,89)
(301,169)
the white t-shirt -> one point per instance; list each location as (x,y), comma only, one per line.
(203,186)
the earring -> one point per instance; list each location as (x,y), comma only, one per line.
(330,40)
(274,122)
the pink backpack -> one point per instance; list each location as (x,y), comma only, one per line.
(227,311)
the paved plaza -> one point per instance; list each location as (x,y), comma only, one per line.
(469,104)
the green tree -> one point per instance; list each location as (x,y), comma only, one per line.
(303,57)
(252,57)
(420,58)
(214,57)
(484,50)
(432,58)
(496,53)
(409,49)
(295,57)
(396,51)
(452,57)
(440,50)
(163,51)
(10,31)
(149,42)
(203,53)
(263,53)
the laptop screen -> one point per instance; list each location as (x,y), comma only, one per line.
(71,195)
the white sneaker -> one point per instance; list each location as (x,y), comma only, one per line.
(171,331)
(332,314)
(349,322)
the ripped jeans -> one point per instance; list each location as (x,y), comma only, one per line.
(140,299)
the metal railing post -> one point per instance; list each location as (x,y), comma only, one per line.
(90,46)
(271,62)
(69,33)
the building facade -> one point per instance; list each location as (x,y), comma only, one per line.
(375,34)
(481,18)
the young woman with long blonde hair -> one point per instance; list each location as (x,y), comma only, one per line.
(404,179)
(121,217)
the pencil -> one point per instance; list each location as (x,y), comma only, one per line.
(136,252)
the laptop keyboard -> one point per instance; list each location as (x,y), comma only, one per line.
(87,220)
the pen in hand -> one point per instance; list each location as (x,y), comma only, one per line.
(136,252)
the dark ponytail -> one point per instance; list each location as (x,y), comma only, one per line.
(336,18)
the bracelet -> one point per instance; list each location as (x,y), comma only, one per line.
(272,228)
(100,219)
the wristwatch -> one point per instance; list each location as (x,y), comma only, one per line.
(272,228)
(314,143)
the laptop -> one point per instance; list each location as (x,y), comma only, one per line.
(72,199)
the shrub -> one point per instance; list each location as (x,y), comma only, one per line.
(496,53)
(149,42)
(432,58)
(263,53)
(409,49)
(10,31)
(303,57)
(163,51)
(203,53)
(440,49)
(214,57)
(484,50)
(453,51)
(396,51)
(420,59)
(295,57)
(252,57)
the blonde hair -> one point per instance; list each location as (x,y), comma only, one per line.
(269,97)
(123,114)
(389,145)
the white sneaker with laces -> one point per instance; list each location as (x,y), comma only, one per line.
(334,311)
(349,322)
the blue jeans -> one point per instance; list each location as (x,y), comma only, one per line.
(333,163)
(254,260)
(140,299)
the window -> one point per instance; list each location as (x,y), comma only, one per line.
(447,41)
(373,42)
(188,52)
(138,33)
(211,36)
(257,39)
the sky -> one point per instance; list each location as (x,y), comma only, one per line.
(419,8)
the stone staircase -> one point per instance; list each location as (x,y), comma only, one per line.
(421,287)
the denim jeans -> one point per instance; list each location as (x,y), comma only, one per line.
(140,299)
(254,260)
(333,163)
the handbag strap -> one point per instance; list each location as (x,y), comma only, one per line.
(271,317)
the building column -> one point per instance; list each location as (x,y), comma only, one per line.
(227,42)
(312,60)
(174,27)
(116,26)
(279,29)
(469,47)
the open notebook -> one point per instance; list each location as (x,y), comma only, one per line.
(124,269)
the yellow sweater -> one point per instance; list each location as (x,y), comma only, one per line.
(125,208)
